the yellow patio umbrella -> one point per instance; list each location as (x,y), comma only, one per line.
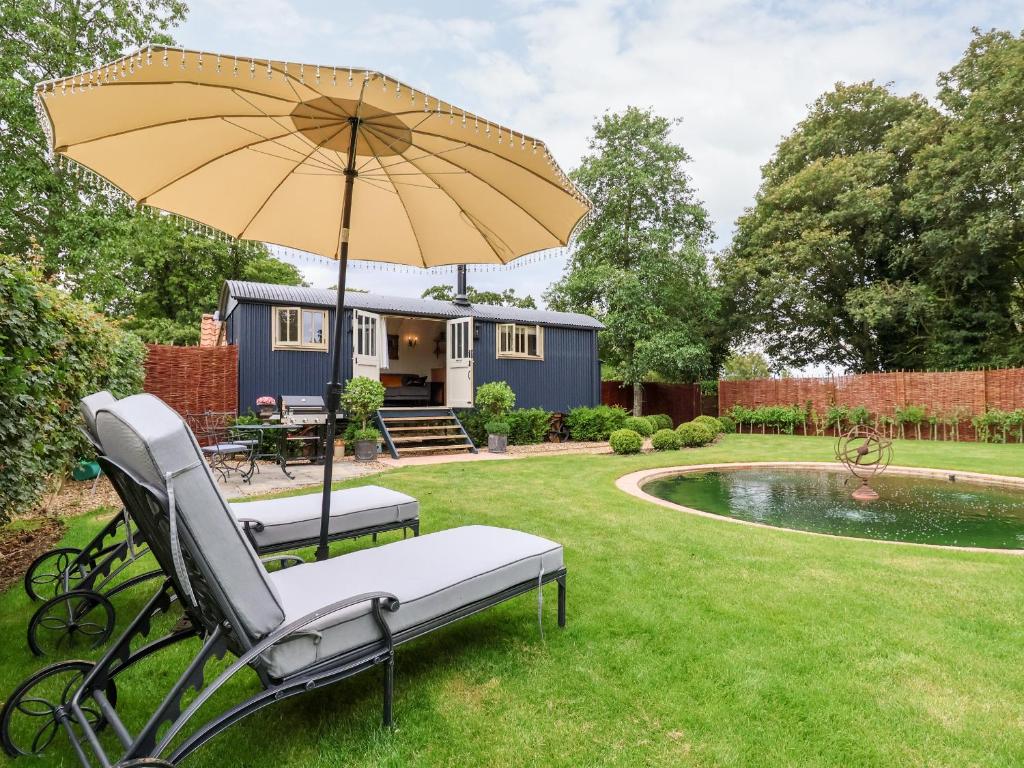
(329,160)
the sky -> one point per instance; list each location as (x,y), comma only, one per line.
(740,74)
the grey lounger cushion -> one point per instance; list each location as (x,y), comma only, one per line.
(297,518)
(431,575)
(145,435)
(90,404)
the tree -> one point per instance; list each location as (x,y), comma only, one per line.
(505,298)
(743,366)
(967,190)
(130,265)
(640,262)
(42,40)
(888,234)
(826,233)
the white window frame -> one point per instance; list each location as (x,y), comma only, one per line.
(277,343)
(509,332)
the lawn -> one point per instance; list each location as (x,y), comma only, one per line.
(691,641)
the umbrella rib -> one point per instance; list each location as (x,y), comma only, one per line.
(202,165)
(396,139)
(164,124)
(408,216)
(299,133)
(315,164)
(326,162)
(490,152)
(277,187)
(482,181)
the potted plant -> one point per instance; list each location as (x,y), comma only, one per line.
(497,436)
(361,399)
(493,402)
(266,405)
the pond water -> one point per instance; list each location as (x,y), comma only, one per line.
(917,509)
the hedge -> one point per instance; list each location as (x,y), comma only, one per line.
(639,424)
(694,434)
(54,350)
(595,424)
(527,426)
(626,441)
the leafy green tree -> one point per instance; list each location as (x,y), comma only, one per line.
(506,298)
(820,249)
(42,40)
(743,366)
(967,191)
(640,263)
(889,234)
(130,265)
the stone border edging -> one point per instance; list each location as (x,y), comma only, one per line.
(633,483)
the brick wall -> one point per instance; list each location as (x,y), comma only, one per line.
(193,379)
(942,392)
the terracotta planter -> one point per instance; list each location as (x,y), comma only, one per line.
(497,443)
(365,450)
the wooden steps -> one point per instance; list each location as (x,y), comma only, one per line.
(422,430)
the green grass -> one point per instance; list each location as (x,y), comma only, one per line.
(691,641)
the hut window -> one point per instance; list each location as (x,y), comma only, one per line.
(521,341)
(297,328)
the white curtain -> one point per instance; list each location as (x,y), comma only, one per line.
(382,343)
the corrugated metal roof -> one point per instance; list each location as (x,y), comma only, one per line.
(266,293)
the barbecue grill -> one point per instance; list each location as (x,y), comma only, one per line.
(302,409)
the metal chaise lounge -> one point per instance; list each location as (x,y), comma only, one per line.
(77,584)
(298,628)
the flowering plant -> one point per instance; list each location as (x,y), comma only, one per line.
(265,400)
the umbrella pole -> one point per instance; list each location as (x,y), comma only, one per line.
(334,385)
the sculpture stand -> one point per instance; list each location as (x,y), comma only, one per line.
(865,492)
(865,453)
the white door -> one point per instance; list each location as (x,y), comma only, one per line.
(365,357)
(458,384)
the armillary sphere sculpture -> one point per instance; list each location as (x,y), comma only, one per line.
(865,452)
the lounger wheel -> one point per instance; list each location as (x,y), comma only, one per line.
(71,623)
(32,716)
(44,577)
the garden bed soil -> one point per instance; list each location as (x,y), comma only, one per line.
(22,544)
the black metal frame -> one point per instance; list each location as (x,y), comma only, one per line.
(212,619)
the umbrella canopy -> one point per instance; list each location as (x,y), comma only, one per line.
(258,149)
(273,151)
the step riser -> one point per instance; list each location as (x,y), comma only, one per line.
(409,431)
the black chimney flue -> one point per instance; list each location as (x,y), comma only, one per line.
(460,288)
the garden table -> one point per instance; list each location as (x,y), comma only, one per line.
(274,441)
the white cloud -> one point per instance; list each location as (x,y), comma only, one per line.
(740,72)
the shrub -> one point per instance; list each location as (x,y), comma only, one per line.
(54,350)
(494,399)
(597,423)
(639,424)
(662,421)
(626,441)
(528,426)
(728,425)
(366,433)
(497,427)
(694,435)
(666,440)
(711,423)
(361,399)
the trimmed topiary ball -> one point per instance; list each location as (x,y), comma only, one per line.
(662,420)
(626,441)
(694,435)
(728,424)
(640,425)
(666,440)
(711,423)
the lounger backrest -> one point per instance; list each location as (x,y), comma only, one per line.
(89,405)
(149,439)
